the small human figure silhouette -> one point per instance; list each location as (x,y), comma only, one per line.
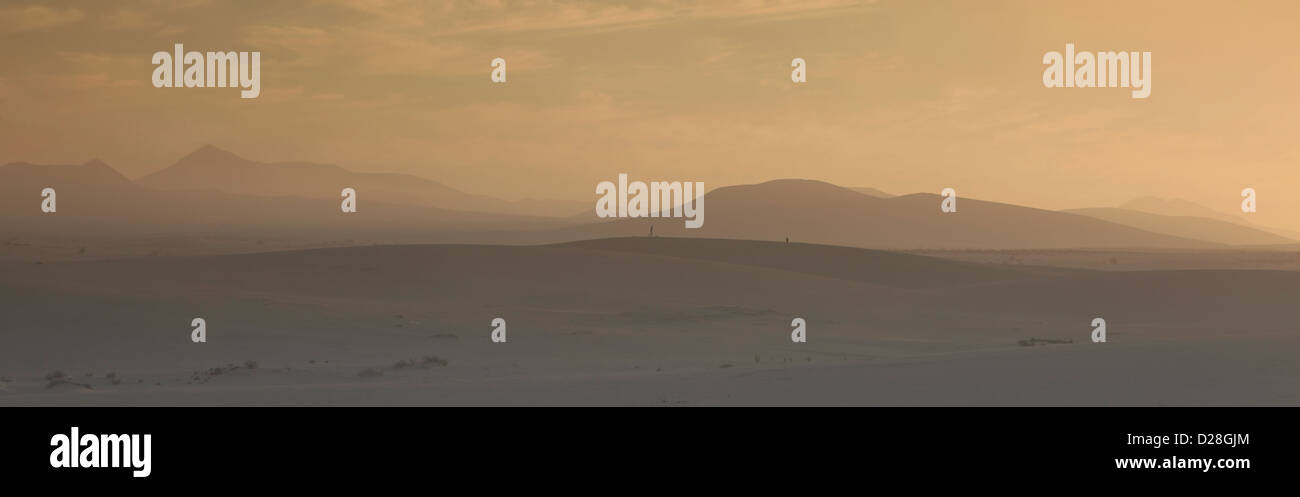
(787,239)
(652,231)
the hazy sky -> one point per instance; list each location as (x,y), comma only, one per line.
(904,96)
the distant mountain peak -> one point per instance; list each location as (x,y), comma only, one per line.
(872,192)
(1152,201)
(210,155)
(100,167)
(789,184)
(91,172)
(1177,207)
(797,181)
(210,148)
(788,188)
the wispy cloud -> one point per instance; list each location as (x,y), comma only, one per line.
(21,19)
(450,18)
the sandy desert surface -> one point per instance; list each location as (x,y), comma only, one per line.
(648,321)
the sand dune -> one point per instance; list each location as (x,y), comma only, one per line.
(640,321)
(1282,258)
(878,267)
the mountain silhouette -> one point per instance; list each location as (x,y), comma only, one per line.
(212,189)
(93,198)
(871,192)
(818,212)
(1200,228)
(211,168)
(1187,208)
(94,174)
(79,189)
(1177,207)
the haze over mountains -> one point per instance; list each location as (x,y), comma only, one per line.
(212,168)
(92,198)
(871,192)
(611,315)
(1177,207)
(817,212)
(1185,208)
(214,190)
(1199,228)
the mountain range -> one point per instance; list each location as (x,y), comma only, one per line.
(93,199)
(818,212)
(1200,228)
(214,189)
(216,169)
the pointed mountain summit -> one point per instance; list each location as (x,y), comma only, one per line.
(210,153)
(93,173)
(205,157)
(874,192)
(211,168)
(101,171)
(82,189)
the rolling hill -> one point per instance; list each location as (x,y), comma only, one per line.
(817,212)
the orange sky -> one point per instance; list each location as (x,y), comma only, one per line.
(902,96)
